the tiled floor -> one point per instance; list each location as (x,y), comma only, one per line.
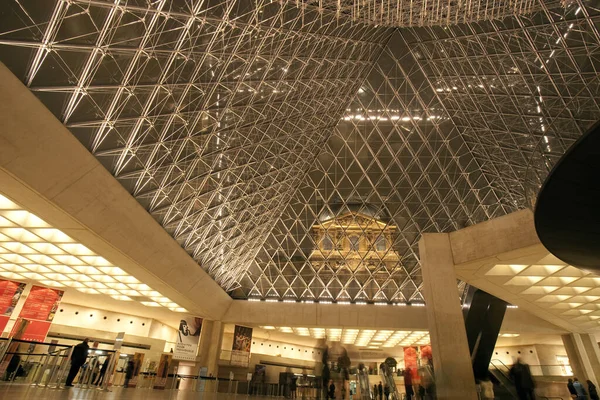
(27,392)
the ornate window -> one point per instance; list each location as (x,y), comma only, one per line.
(381,243)
(354,241)
(326,242)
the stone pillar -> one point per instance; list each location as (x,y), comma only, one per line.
(209,352)
(584,356)
(451,359)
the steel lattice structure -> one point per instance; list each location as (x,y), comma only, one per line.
(238,124)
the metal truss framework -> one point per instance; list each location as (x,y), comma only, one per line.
(238,124)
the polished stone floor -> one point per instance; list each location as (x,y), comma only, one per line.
(27,392)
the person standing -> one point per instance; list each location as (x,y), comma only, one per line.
(380,390)
(386,392)
(521,376)
(571,388)
(102,372)
(579,389)
(129,372)
(375,392)
(78,357)
(293,385)
(592,390)
(331,391)
(408,386)
(487,389)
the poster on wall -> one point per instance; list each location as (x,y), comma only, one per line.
(188,338)
(10,293)
(242,341)
(163,371)
(40,308)
(138,360)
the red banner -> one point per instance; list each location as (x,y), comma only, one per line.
(39,308)
(410,361)
(10,292)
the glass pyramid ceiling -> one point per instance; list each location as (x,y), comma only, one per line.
(239,124)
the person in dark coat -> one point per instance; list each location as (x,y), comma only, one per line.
(380,390)
(129,372)
(78,357)
(521,376)
(331,390)
(386,392)
(592,390)
(408,386)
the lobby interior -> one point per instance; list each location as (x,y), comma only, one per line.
(328,189)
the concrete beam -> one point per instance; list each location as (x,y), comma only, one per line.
(44,168)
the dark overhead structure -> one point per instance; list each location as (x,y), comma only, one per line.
(567,213)
(238,124)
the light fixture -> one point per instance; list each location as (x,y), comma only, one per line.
(30,249)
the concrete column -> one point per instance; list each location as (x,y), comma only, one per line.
(209,352)
(584,356)
(451,359)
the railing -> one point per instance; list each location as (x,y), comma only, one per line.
(47,364)
(536,370)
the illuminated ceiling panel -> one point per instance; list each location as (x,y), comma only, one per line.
(366,338)
(32,250)
(565,291)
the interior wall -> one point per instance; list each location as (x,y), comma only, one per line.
(542,358)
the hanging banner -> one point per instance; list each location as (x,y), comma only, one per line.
(426,354)
(188,338)
(242,341)
(138,359)
(410,361)
(39,308)
(163,371)
(10,293)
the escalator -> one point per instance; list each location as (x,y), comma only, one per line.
(504,389)
(363,383)
(387,377)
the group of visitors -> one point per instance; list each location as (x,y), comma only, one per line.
(381,390)
(78,360)
(578,392)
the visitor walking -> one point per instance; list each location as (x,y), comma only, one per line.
(129,372)
(521,376)
(408,386)
(592,390)
(102,372)
(78,357)
(331,391)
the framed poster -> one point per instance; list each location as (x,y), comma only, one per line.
(188,338)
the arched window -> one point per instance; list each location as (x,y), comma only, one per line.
(326,242)
(381,243)
(354,242)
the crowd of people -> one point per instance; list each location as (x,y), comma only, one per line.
(578,392)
